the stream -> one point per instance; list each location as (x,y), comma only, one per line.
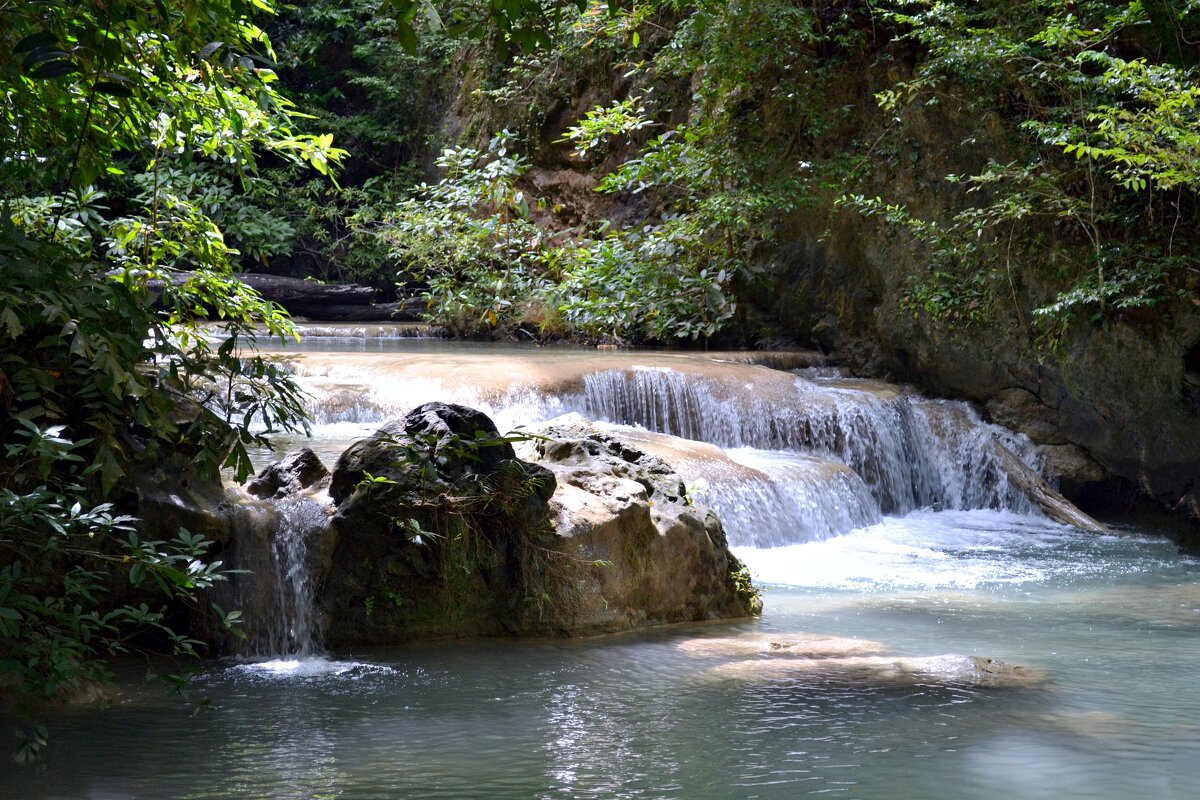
(862,510)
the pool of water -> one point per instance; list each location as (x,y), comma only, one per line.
(1112,620)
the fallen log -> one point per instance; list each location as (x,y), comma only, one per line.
(304,298)
(322,302)
(1044,498)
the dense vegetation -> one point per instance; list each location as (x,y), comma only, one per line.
(609,172)
(125,124)
(706,128)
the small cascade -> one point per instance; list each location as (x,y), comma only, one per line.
(297,629)
(362,335)
(800,499)
(275,590)
(910,452)
(764,498)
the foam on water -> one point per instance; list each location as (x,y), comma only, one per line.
(307,667)
(944,550)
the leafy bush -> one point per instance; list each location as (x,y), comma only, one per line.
(1106,186)
(103,360)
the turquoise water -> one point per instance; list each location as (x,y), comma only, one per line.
(1113,621)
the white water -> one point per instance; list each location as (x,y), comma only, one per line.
(926,551)
(905,452)
(271,583)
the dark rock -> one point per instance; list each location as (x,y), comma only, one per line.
(435,445)
(1074,471)
(294,473)
(441,531)
(171,495)
(1021,411)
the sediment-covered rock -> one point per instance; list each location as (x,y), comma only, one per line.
(665,558)
(942,670)
(806,645)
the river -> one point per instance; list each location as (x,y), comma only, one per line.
(927,553)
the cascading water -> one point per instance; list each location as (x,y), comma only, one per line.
(765,498)
(797,432)
(272,582)
(297,630)
(910,451)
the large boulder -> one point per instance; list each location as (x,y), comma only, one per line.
(443,531)
(439,527)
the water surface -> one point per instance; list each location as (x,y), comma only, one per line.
(637,717)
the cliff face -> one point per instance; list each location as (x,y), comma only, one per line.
(1118,409)
(1116,403)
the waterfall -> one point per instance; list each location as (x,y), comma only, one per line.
(800,499)
(911,452)
(793,455)
(297,629)
(272,583)
(764,498)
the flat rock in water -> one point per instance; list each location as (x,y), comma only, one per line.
(944,670)
(808,645)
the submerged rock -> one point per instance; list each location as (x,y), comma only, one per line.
(943,670)
(807,645)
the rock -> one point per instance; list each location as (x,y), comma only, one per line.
(1019,410)
(172,495)
(806,645)
(1076,473)
(663,559)
(944,670)
(434,447)
(294,473)
(442,531)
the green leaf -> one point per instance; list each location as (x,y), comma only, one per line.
(208,50)
(54,69)
(34,41)
(113,89)
(11,323)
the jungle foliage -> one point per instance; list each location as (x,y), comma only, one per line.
(147,149)
(1072,201)
(130,133)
